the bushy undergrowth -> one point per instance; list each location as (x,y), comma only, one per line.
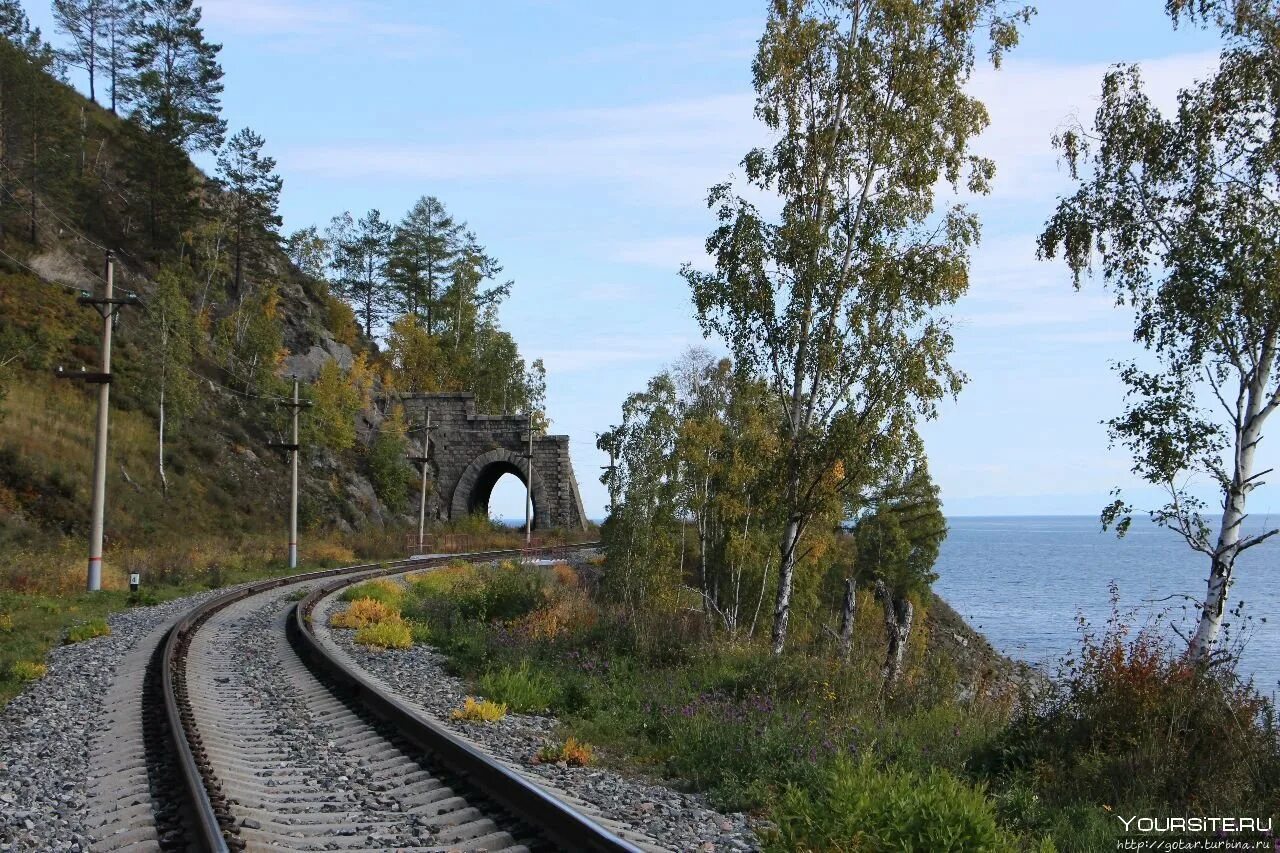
(521,688)
(571,751)
(855,805)
(816,746)
(1133,723)
(383,590)
(649,689)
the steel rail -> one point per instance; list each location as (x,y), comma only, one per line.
(566,827)
(209,821)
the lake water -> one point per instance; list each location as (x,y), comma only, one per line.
(1022,581)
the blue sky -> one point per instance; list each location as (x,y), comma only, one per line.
(578,140)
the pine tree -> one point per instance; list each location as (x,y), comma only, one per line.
(175,88)
(361,256)
(116,58)
(253,189)
(84,21)
(423,254)
(14,25)
(178,86)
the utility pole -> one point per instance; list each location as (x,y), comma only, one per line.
(108,305)
(528,489)
(293,448)
(422,498)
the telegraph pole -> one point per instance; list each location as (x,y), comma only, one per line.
(528,489)
(293,448)
(108,305)
(422,499)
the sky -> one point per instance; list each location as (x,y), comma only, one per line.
(578,140)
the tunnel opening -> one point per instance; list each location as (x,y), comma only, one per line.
(499,494)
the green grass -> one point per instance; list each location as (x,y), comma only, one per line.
(38,621)
(808,742)
(87,631)
(521,688)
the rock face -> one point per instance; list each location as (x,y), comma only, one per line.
(980,669)
(306,366)
(469,453)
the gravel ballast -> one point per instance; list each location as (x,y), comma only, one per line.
(675,819)
(49,731)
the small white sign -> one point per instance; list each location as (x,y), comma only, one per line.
(135,579)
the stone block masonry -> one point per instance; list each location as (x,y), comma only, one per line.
(469,453)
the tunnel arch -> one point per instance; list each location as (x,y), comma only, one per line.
(475,486)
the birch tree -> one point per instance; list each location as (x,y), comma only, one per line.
(169,339)
(835,302)
(1181,211)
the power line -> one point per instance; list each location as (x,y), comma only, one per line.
(15,179)
(40,277)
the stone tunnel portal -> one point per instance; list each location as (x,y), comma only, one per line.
(469,453)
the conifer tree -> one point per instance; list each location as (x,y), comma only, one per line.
(84,22)
(175,88)
(423,254)
(178,86)
(253,189)
(116,58)
(361,256)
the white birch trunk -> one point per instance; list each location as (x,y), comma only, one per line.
(898,616)
(786,573)
(846,618)
(164,481)
(1233,514)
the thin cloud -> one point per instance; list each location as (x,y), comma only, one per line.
(664,153)
(296,26)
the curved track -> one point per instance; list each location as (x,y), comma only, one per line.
(267,741)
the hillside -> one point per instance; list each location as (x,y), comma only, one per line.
(228,317)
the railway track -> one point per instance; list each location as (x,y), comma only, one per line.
(258,737)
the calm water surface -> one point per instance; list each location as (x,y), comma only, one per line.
(1023,580)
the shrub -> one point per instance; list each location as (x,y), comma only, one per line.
(420,631)
(6,623)
(87,631)
(520,688)
(482,711)
(389,634)
(564,574)
(26,670)
(568,612)
(1134,722)
(384,590)
(857,806)
(573,752)
(362,613)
